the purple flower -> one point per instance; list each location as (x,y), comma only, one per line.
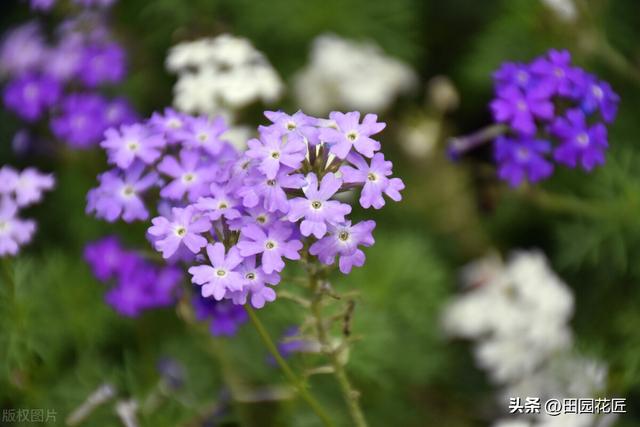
(297,127)
(143,287)
(343,241)
(374,178)
(598,95)
(520,109)
(522,159)
(130,143)
(224,317)
(221,276)
(14,232)
(185,227)
(30,185)
(191,176)
(350,133)
(95,3)
(555,69)
(513,74)
(8,180)
(171,124)
(270,191)
(119,112)
(81,121)
(119,195)
(316,208)
(44,5)
(102,63)
(105,257)
(272,150)
(274,244)
(255,284)
(22,49)
(31,95)
(63,60)
(204,133)
(579,141)
(222,204)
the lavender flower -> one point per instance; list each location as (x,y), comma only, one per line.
(520,109)
(204,133)
(222,204)
(296,127)
(374,180)
(350,133)
(191,176)
(18,190)
(119,195)
(221,276)
(14,232)
(44,5)
(184,228)
(31,95)
(273,245)
(272,150)
(343,241)
(130,143)
(22,49)
(105,257)
(316,208)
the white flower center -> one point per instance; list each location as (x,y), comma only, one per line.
(521,105)
(250,276)
(174,123)
(316,204)
(372,177)
(275,155)
(180,231)
(270,244)
(262,218)
(583,139)
(220,272)
(522,154)
(128,191)
(203,137)
(4,226)
(352,135)
(133,146)
(188,177)
(559,72)
(522,77)
(223,204)
(344,235)
(597,92)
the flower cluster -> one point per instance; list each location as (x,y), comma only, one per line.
(221,75)
(553,111)
(138,284)
(351,75)
(224,317)
(58,82)
(518,315)
(248,212)
(17,191)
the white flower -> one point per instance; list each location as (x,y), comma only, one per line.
(563,9)
(221,75)
(351,75)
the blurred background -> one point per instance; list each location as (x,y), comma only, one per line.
(430,65)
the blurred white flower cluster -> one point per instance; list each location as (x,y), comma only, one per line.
(344,74)
(221,75)
(565,10)
(518,316)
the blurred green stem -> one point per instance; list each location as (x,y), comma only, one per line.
(350,395)
(7,274)
(291,376)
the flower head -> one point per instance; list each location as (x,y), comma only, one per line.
(184,228)
(132,142)
(31,95)
(522,159)
(343,241)
(349,132)
(374,179)
(273,244)
(222,275)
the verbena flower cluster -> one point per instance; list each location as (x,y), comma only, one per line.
(555,112)
(344,74)
(19,190)
(137,283)
(221,75)
(240,215)
(56,82)
(518,316)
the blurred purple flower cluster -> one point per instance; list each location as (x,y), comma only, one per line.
(554,112)
(47,5)
(224,317)
(138,284)
(57,80)
(17,191)
(248,212)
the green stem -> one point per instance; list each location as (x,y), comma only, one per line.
(291,376)
(350,395)
(7,273)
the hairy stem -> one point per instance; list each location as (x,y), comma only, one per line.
(462,144)
(291,376)
(350,395)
